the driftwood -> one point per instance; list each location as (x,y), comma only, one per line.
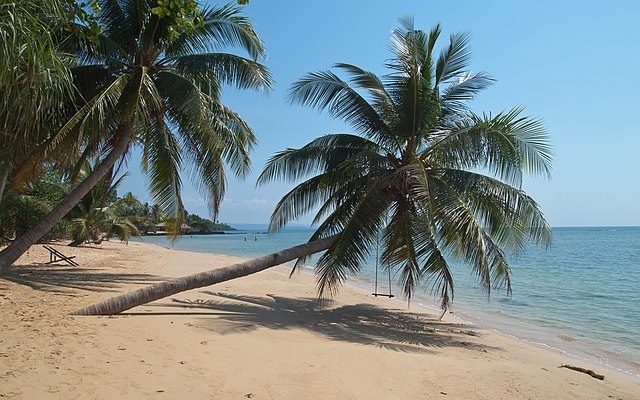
(590,372)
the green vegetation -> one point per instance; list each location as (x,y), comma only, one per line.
(96,218)
(199,225)
(20,211)
(31,67)
(100,215)
(132,74)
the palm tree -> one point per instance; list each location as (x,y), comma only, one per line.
(130,207)
(155,80)
(433,180)
(95,217)
(98,224)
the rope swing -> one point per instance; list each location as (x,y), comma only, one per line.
(375,290)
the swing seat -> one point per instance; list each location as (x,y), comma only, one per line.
(383,294)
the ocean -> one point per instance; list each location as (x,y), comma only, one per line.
(581,296)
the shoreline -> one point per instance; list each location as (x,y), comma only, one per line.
(262,335)
(515,331)
(548,337)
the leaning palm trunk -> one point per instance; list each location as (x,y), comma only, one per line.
(4,175)
(9,255)
(158,291)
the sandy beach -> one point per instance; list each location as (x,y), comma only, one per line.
(262,337)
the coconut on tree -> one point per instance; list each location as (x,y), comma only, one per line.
(435,182)
(153,78)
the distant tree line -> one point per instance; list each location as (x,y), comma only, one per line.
(101,214)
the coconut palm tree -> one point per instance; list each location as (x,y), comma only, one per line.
(95,217)
(154,79)
(98,224)
(435,181)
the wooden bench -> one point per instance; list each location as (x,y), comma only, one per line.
(55,256)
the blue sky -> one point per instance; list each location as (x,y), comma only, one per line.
(574,64)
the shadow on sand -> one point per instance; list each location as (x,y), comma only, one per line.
(228,313)
(59,279)
(365,324)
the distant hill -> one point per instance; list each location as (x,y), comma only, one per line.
(202,226)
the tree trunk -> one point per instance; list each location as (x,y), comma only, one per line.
(4,175)
(158,291)
(9,255)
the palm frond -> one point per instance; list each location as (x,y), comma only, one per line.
(403,47)
(468,85)
(399,251)
(369,82)
(358,236)
(31,67)
(238,137)
(326,91)
(453,59)
(183,98)
(207,167)
(462,236)
(95,117)
(161,161)
(507,145)
(117,22)
(303,198)
(320,155)
(532,139)
(330,157)
(123,229)
(222,26)
(437,270)
(222,68)
(508,214)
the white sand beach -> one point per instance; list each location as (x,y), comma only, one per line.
(262,337)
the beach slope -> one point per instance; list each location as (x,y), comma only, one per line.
(264,336)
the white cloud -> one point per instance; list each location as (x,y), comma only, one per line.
(259,203)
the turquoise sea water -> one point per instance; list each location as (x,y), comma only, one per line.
(581,296)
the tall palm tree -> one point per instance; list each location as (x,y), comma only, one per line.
(148,81)
(436,182)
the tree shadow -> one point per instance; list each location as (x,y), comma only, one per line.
(53,278)
(364,324)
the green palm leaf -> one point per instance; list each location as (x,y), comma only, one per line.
(453,59)
(222,68)
(222,26)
